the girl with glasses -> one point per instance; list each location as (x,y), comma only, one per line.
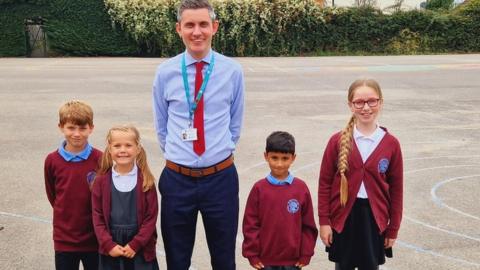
(360,193)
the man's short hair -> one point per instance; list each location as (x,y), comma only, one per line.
(195,4)
(75,112)
(280,141)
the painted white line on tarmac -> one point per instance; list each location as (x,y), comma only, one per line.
(252,167)
(441,230)
(439,202)
(435,227)
(433,253)
(33,218)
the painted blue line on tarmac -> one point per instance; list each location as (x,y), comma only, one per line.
(438,201)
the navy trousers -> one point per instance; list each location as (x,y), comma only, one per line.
(216,198)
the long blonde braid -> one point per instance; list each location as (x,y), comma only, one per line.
(345,147)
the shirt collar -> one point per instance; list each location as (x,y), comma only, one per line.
(69,156)
(373,137)
(274,181)
(131,173)
(190,60)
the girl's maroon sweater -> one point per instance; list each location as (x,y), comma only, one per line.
(382,174)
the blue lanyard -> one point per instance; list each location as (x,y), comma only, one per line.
(193,107)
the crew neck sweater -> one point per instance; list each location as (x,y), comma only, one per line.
(68,191)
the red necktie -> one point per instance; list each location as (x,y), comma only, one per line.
(199,144)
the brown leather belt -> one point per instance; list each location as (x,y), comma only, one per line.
(194,172)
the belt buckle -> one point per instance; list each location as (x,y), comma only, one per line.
(196,172)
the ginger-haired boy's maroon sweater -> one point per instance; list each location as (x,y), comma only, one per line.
(67,186)
(382,175)
(278,225)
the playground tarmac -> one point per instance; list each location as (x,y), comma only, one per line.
(431,104)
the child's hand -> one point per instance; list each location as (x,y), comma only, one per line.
(258,265)
(299,265)
(326,235)
(116,251)
(389,242)
(129,252)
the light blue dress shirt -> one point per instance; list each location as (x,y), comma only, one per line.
(274,181)
(223,109)
(74,157)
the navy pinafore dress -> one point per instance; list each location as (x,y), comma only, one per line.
(123,227)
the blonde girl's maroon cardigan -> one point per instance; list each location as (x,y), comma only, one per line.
(147,213)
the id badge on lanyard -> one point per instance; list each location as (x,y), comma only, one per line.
(189,134)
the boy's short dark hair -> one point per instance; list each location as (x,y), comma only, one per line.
(280,141)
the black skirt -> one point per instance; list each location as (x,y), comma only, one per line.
(281,268)
(359,244)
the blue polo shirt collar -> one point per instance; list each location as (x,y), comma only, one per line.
(74,157)
(274,181)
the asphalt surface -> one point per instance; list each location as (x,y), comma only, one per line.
(432,105)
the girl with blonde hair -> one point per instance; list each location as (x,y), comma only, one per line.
(360,193)
(125,206)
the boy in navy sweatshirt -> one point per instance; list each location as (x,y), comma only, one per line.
(69,172)
(278,226)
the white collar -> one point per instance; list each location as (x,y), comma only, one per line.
(378,133)
(131,173)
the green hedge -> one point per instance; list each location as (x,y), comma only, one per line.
(79,27)
(247,28)
(298,27)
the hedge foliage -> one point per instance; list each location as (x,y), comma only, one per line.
(298,27)
(74,27)
(247,28)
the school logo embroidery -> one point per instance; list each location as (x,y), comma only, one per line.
(90,177)
(293,206)
(383,165)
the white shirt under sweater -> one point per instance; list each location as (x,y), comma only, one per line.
(125,183)
(366,145)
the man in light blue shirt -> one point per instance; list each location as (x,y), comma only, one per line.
(198,99)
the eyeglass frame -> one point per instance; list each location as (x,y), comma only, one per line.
(372,103)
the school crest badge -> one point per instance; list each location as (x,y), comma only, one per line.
(90,177)
(293,206)
(383,165)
